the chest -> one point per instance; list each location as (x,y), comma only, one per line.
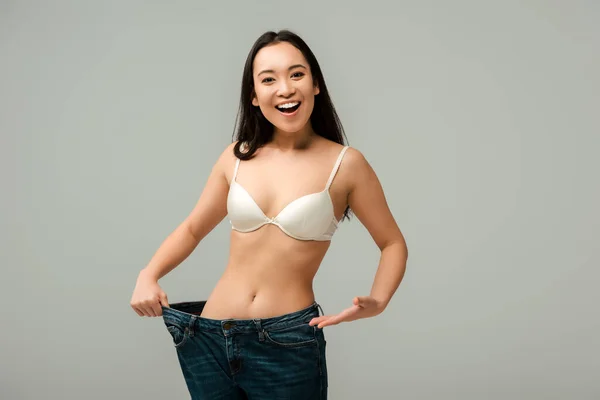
(274,186)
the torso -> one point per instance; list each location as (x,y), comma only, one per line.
(269,273)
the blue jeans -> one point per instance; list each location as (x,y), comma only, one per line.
(280,357)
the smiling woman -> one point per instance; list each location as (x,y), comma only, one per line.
(286,182)
(290,90)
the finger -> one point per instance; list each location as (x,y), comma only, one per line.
(330,321)
(141,314)
(144,310)
(156,308)
(141,310)
(316,320)
(348,312)
(148,310)
(163,300)
(346,315)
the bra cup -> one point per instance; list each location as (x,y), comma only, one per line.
(243,212)
(307,217)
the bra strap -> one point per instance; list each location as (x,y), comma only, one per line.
(336,167)
(237,165)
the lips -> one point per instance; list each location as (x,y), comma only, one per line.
(288,108)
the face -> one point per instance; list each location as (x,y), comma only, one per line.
(284,88)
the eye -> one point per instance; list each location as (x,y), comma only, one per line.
(266,80)
(298,74)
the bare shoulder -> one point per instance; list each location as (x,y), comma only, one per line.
(355,168)
(226,162)
(227,155)
(355,158)
(352,157)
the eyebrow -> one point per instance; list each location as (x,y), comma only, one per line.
(289,69)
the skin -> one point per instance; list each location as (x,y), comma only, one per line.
(269,273)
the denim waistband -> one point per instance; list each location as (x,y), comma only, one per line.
(187,314)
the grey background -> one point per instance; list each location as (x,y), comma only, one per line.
(480,119)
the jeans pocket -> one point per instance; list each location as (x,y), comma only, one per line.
(296,336)
(179,334)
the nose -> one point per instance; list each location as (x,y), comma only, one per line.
(286,89)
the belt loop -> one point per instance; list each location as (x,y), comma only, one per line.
(320,308)
(261,331)
(192,325)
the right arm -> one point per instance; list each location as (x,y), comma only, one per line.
(209,210)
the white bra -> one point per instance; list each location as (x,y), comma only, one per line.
(309,217)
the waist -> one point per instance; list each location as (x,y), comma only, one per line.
(188,314)
(255,291)
(248,298)
(265,277)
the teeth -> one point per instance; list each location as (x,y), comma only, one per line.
(288,105)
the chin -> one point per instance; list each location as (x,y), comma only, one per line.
(286,126)
(289,128)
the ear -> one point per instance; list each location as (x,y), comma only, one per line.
(316,89)
(254,99)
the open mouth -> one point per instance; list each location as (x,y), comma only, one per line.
(288,108)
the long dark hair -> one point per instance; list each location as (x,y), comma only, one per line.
(252,128)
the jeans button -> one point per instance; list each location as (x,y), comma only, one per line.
(227,325)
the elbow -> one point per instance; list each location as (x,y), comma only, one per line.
(188,227)
(398,247)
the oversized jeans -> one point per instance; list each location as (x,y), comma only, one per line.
(280,357)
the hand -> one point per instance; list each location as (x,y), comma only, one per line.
(364,307)
(148,297)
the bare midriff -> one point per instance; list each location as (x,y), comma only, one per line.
(268,274)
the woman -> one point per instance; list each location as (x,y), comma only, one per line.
(285,184)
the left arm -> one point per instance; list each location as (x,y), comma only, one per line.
(367,200)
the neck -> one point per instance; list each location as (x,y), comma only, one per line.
(293,140)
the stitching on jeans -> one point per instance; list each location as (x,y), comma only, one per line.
(295,344)
(283,329)
(185,335)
